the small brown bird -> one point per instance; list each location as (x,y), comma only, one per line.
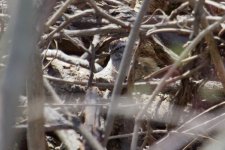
(146,64)
(116,49)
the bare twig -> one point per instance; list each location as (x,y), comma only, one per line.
(24,21)
(101,30)
(58,13)
(69,20)
(139,133)
(92,50)
(177,10)
(166,68)
(111,28)
(186,74)
(123,70)
(150,32)
(36,99)
(107,16)
(46,66)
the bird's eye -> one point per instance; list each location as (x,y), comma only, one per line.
(121,47)
(117,49)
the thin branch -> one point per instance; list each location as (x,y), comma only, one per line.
(139,133)
(36,99)
(177,10)
(150,32)
(111,28)
(107,16)
(69,20)
(58,13)
(126,60)
(92,50)
(166,68)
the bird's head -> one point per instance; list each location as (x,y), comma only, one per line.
(116,49)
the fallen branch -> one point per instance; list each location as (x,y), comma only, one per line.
(69,59)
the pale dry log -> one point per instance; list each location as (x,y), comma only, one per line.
(69,59)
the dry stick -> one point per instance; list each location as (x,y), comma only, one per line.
(58,13)
(162,82)
(186,74)
(36,100)
(164,69)
(198,11)
(69,59)
(49,127)
(126,60)
(107,16)
(82,83)
(47,65)
(73,105)
(77,105)
(140,133)
(150,32)
(183,20)
(68,21)
(92,50)
(24,21)
(35,92)
(114,2)
(111,28)
(177,10)
(92,114)
(190,143)
(194,135)
(91,63)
